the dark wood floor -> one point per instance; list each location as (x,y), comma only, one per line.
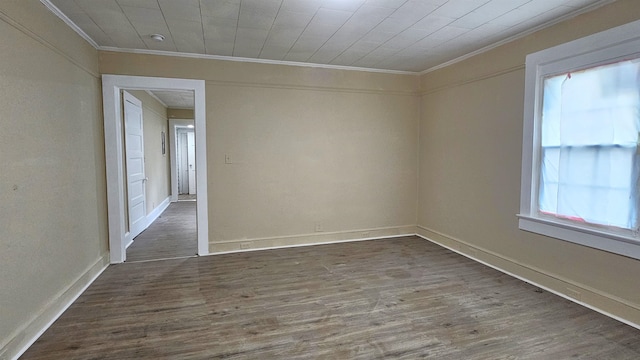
(400,298)
(173,234)
(186,197)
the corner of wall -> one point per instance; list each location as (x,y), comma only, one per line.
(593,299)
(24,337)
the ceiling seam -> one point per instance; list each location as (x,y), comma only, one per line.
(167,24)
(335,32)
(389,57)
(91,18)
(130,23)
(302,32)
(365,34)
(235,36)
(270,28)
(426,36)
(204,40)
(520,35)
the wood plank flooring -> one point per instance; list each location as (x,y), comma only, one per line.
(173,234)
(400,298)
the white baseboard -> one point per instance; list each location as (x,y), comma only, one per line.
(151,217)
(155,214)
(605,304)
(610,306)
(319,238)
(23,338)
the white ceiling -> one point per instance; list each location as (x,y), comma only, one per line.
(404,35)
(174,99)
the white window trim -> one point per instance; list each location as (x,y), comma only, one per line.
(607,46)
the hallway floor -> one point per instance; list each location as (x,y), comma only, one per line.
(172,235)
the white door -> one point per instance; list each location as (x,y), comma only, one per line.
(134,149)
(183,163)
(191,159)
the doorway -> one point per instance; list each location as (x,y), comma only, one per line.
(115,159)
(184,171)
(185,163)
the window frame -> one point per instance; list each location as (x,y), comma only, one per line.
(612,45)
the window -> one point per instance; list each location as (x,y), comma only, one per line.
(581,160)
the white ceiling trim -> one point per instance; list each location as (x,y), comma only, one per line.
(547,24)
(86,37)
(251,60)
(150,93)
(179,108)
(54,9)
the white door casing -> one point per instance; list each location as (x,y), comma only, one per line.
(134,154)
(113,133)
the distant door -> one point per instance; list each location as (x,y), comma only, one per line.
(134,148)
(182,163)
(191,156)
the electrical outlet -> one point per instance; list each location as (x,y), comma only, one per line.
(245,245)
(227,159)
(319,227)
(366,234)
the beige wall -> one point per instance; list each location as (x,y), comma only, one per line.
(53,222)
(157,167)
(308,147)
(470,163)
(180,114)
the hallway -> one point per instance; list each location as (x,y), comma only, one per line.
(172,235)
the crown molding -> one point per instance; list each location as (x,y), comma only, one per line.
(251,60)
(520,35)
(54,9)
(150,93)
(487,48)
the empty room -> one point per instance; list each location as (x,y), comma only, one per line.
(320,179)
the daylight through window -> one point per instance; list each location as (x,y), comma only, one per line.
(581,135)
(590,125)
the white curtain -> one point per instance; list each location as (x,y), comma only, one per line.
(589,135)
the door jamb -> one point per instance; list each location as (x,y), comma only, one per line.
(113,132)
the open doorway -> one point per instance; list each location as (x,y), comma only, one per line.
(183,165)
(186,168)
(116,161)
(170,228)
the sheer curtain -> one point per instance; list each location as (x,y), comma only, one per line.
(590,128)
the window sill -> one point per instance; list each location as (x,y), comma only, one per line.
(617,244)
